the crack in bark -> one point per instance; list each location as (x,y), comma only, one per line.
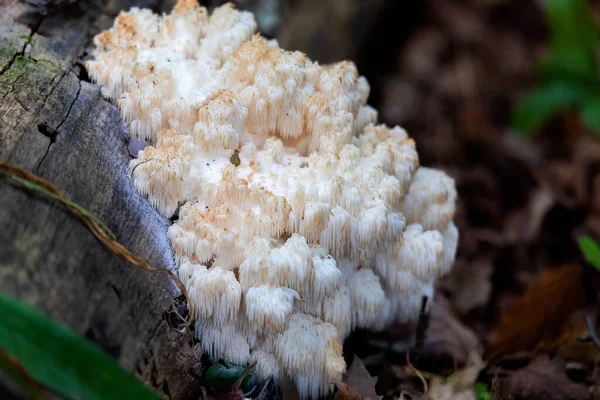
(10,63)
(18,119)
(70,108)
(21,53)
(57,130)
(12,85)
(53,87)
(17,54)
(165,377)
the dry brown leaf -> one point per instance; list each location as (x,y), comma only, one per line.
(570,345)
(358,383)
(523,226)
(459,386)
(446,336)
(496,392)
(204,394)
(440,390)
(469,283)
(573,180)
(543,378)
(540,312)
(345,393)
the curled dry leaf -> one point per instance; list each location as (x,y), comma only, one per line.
(441,390)
(469,283)
(540,313)
(571,346)
(358,383)
(496,392)
(268,390)
(576,181)
(543,378)
(345,393)
(460,385)
(523,225)
(447,337)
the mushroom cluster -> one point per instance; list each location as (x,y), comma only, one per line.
(299,217)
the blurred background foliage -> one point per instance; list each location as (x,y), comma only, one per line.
(568,73)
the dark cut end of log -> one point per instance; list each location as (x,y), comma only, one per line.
(56,124)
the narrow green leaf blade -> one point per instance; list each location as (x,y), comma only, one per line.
(591,250)
(15,371)
(61,360)
(540,105)
(590,114)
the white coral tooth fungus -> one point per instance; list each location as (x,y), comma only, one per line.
(322,223)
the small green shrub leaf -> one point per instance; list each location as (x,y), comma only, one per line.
(591,250)
(220,377)
(590,114)
(540,105)
(572,26)
(568,65)
(61,360)
(481,391)
(569,71)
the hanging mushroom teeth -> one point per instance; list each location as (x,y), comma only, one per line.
(300,218)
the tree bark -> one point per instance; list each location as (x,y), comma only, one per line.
(55,123)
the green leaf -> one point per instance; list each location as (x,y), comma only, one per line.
(15,371)
(569,70)
(574,38)
(481,391)
(590,114)
(61,360)
(220,377)
(540,105)
(572,26)
(570,65)
(591,250)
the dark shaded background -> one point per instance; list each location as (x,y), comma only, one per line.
(451,72)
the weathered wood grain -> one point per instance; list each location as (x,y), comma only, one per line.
(58,126)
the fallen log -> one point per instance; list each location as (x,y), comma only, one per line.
(55,123)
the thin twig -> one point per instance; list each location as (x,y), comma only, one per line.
(34,186)
(418,373)
(35,183)
(592,335)
(422,323)
(267,390)
(140,163)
